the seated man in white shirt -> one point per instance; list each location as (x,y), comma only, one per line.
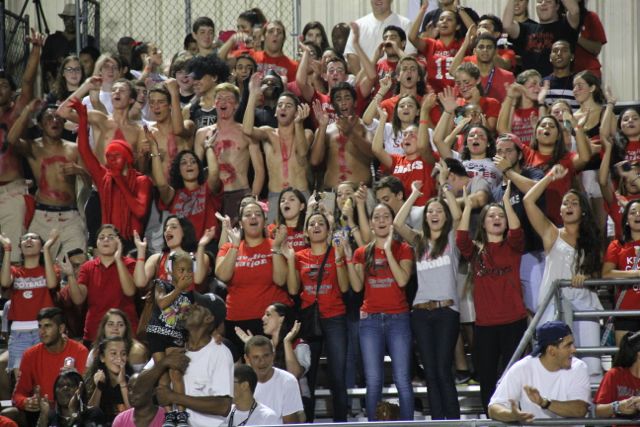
(277,389)
(549,383)
(246,411)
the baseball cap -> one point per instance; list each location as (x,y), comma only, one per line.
(213,303)
(509,137)
(550,333)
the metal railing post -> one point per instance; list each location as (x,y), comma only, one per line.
(187,16)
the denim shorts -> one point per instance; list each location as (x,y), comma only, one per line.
(19,341)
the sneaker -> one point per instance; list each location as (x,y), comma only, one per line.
(462,377)
(181,419)
(169,419)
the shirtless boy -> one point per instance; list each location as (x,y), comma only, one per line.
(343,143)
(55,164)
(286,147)
(233,151)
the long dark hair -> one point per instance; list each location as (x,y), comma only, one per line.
(423,242)
(175,178)
(626,230)
(559,149)
(241,212)
(491,143)
(97,364)
(370,249)
(628,352)
(128,333)
(316,25)
(588,258)
(395,121)
(286,313)
(59,87)
(303,213)
(592,80)
(621,140)
(189,239)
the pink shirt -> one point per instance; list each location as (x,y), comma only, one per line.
(125,419)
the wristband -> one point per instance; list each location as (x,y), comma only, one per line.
(545,403)
(7,248)
(616,407)
(235,247)
(276,251)
(423,122)
(140,259)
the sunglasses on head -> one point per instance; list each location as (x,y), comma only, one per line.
(626,165)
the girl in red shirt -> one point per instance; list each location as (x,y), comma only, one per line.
(382,269)
(248,266)
(302,278)
(32,284)
(292,210)
(521,106)
(469,84)
(621,262)
(501,317)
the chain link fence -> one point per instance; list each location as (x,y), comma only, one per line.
(167,22)
(90,25)
(14,50)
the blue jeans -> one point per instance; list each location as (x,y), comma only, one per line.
(436,332)
(394,330)
(334,340)
(19,342)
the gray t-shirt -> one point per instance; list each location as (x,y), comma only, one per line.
(437,276)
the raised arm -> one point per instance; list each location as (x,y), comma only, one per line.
(370,113)
(257,161)
(139,199)
(302,137)
(603,172)
(124,276)
(180,127)
(250,112)
(319,146)
(414,32)
(17,131)
(226,265)
(608,125)
(582,144)
(30,71)
(511,26)
(166,191)
(401,271)
(448,101)
(95,169)
(50,275)
(5,274)
(543,226)
(512,217)
(400,221)
(213,167)
(280,267)
(514,92)
(377,147)
(573,13)
(140,276)
(302,74)
(461,53)
(424,142)
(368,74)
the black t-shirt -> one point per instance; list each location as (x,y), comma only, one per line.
(532,241)
(200,117)
(561,88)
(535,40)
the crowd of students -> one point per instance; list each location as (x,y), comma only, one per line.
(403,187)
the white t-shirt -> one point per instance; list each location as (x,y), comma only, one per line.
(565,384)
(371,33)
(281,393)
(210,373)
(261,416)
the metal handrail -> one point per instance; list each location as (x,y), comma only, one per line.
(481,422)
(554,292)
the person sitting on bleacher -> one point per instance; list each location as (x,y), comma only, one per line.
(549,383)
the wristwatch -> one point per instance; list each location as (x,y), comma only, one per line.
(545,403)
(616,407)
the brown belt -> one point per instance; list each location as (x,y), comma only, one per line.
(432,305)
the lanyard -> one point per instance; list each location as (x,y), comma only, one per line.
(489,81)
(253,408)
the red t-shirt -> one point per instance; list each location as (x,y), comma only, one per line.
(615,210)
(489,106)
(329,296)
(29,293)
(557,189)
(439,58)
(624,258)
(384,67)
(251,289)
(198,206)
(390,104)
(408,171)
(295,237)
(521,123)
(493,83)
(381,291)
(283,65)
(497,291)
(41,367)
(592,29)
(617,384)
(7,422)
(632,151)
(104,292)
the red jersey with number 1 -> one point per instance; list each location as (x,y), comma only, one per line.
(439,58)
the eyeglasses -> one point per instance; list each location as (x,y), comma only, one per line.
(72,69)
(107,237)
(28,237)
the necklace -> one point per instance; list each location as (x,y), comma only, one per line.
(253,408)
(285,154)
